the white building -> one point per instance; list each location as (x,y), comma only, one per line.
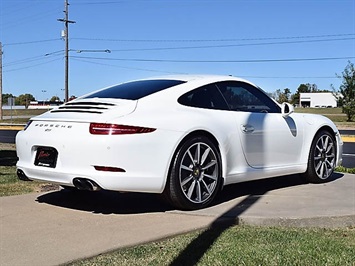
(318,99)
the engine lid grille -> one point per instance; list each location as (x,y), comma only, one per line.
(84,107)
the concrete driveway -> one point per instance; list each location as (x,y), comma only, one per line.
(60,226)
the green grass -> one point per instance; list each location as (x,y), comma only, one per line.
(321,111)
(20,112)
(241,245)
(343,169)
(9,183)
(24,112)
(334,114)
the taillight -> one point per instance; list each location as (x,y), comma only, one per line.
(109,169)
(113,129)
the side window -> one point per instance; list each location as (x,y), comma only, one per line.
(208,97)
(244,97)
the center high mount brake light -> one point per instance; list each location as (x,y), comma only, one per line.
(113,129)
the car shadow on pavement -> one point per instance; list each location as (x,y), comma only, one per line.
(111,202)
(105,202)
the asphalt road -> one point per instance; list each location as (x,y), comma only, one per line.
(8,136)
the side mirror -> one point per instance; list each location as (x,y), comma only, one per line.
(286,109)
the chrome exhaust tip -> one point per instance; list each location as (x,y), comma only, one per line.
(85,184)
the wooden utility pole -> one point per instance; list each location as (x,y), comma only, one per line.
(0,81)
(66,39)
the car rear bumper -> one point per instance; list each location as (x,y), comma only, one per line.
(127,162)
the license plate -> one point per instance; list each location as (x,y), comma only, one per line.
(46,156)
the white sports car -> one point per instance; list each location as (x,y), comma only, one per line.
(184,136)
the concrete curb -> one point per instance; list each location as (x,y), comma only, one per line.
(5,126)
(323,222)
(348,138)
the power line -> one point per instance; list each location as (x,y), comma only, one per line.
(218,61)
(34,58)
(132,68)
(31,42)
(11,70)
(214,40)
(227,45)
(242,76)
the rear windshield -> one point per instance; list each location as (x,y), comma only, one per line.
(135,90)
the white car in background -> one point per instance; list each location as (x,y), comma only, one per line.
(184,136)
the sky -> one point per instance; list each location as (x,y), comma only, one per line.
(274,44)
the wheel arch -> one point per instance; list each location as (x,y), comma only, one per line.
(324,127)
(330,130)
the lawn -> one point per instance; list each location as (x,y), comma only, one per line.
(20,112)
(9,183)
(16,112)
(240,245)
(333,114)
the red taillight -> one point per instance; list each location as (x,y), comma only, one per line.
(109,169)
(113,129)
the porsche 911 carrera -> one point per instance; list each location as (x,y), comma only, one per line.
(185,137)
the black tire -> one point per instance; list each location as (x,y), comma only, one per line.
(195,174)
(322,158)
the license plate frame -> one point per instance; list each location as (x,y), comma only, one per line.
(46,157)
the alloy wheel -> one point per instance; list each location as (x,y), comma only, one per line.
(198,172)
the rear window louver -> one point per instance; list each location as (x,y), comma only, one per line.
(84,107)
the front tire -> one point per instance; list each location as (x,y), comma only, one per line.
(322,158)
(195,174)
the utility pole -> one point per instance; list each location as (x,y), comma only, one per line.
(0,81)
(66,39)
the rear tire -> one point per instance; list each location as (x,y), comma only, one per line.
(195,174)
(322,158)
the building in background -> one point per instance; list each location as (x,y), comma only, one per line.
(318,100)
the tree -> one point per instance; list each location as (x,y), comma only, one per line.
(24,99)
(5,97)
(312,87)
(347,91)
(54,99)
(282,96)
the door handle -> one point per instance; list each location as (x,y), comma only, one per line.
(247,128)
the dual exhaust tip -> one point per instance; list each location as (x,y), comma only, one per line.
(85,184)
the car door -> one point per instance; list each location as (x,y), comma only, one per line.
(268,139)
